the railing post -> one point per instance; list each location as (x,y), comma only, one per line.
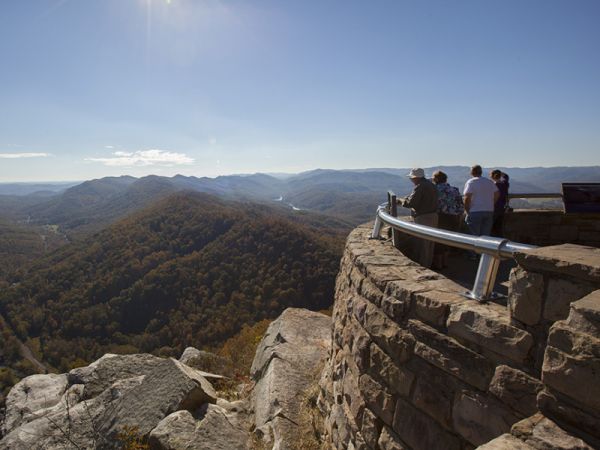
(483,286)
(394,212)
(378,224)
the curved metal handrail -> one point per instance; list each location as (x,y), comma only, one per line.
(491,249)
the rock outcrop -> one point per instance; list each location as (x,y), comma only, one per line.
(31,396)
(223,426)
(90,406)
(173,405)
(288,362)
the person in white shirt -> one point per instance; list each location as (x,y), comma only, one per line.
(480,195)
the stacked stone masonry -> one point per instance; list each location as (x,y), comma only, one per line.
(548,227)
(415,365)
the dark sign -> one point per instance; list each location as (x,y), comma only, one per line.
(581,197)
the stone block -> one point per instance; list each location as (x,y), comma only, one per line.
(342,428)
(359,309)
(516,389)
(558,408)
(434,395)
(432,307)
(377,399)
(397,342)
(542,433)
(490,329)
(585,314)
(559,296)
(388,440)
(525,296)
(371,426)
(360,347)
(352,397)
(479,418)
(505,442)
(355,279)
(567,260)
(397,378)
(447,354)
(394,308)
(572,365)
(421,432)
(371,292)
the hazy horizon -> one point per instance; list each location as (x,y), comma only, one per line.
(289,174)
(139,87)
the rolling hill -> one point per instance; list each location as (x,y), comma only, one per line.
(188,270)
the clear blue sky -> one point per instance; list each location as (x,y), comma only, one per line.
(208,87)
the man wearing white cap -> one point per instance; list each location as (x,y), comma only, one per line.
(423,202)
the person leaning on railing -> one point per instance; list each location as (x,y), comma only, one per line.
(480,196)
(423,202)
(501,180)
(450,211)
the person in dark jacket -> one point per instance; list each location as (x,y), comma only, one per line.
(501,180)
(423,202)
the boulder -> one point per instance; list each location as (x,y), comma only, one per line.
(224,426)
(110,368)
(287,363)
(139,402)
(207,362)
(170,387)
(31,394)
(79,426)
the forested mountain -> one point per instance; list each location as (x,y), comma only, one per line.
(351,195)
(189,270)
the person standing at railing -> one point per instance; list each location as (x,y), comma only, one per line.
(423,202)
(480,195)
(502,183)
(450,211)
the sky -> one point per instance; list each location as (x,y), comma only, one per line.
(211,87)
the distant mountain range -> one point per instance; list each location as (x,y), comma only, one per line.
(349,195)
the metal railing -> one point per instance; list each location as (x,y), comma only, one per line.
(491,249)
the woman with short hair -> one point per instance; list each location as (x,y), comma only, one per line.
(450,211)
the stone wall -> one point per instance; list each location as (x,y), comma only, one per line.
(414,365)
(550,227)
